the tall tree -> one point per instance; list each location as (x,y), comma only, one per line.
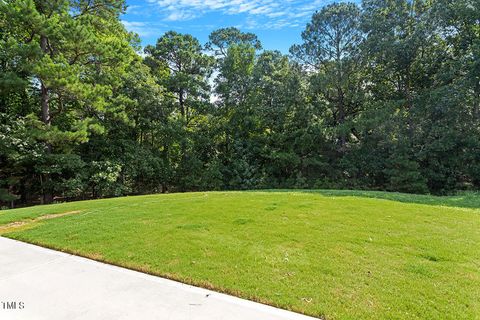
(189,69)
(74,51)
(330,51)
(285,120)
(236,113)
(403,54)
(220,40)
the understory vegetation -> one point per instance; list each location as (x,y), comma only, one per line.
(330,254)
(384,95)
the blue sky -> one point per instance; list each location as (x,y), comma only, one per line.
(277,23)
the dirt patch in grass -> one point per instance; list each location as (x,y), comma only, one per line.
(57,215)
(24,224)
(17,225)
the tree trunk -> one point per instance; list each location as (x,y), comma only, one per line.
(476,103)
(341,119)
(166,157)
(409,98)
(46,118)
(181,102)
(47,195)
(45,97)
(45,104)
(183,143)
(340,94)
(164,187)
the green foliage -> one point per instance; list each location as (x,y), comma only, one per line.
(104,176)
(383,96)
(404,175)
(331,43)
(220,40)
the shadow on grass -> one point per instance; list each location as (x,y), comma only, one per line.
(462,200)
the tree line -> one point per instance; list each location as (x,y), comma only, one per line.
(384,95)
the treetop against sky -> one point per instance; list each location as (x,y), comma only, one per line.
(278,23)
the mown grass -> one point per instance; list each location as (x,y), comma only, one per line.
(331,254)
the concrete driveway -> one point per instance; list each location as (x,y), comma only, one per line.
(38,283)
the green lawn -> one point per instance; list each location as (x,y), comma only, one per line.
(332,254)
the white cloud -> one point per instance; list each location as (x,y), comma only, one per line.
(268,14)
(141,28)
(133,24)
(133,9)
(180,16)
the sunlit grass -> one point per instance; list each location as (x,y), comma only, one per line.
(323,253)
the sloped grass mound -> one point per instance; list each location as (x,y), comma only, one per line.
(331,254)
